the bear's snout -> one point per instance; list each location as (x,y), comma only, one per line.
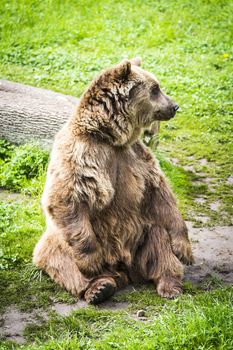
(175,107)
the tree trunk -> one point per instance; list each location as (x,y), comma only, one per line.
(28,113)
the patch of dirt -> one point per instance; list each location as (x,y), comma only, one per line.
(12,196)
(113,305)
(14,321)
(199,200)
(189,168)
(12,324)
(203,161)
(174,161)
(5,195)
(65,309)
(207,180)
(202,218)
(230,180)
(214,206)
(213,253)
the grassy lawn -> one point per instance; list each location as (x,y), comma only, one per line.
(61,46)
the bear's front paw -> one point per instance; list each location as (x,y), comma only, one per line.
(169,287)
(182,249)
(100,290)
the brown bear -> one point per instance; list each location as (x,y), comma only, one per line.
(111,217)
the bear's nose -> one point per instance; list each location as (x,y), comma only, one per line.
(176,107)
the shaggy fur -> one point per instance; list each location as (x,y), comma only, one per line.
(111,217)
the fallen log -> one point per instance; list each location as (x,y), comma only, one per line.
(28,113)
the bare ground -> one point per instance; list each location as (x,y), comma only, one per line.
(213,252)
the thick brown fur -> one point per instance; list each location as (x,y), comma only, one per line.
(111,217)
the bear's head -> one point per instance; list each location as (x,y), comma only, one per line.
(120,102)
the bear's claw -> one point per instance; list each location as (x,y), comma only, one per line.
(169,287)
(99,291)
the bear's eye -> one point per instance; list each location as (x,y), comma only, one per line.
(154,90)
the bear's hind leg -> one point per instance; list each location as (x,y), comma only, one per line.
(53,255)
(168,216)
(157,262)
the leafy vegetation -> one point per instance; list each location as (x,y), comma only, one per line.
(62,46)
(23,167)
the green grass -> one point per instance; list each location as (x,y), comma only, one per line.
(62,46)
(23,168)
(201,322)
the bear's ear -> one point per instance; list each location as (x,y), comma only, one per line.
(123,69)
(137,61)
